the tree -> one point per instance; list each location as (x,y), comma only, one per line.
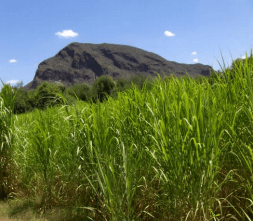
(19,84)
(81,91)
(102,87)
(138,80)
(22,102)
(47,94)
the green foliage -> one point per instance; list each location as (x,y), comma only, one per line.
(138,80)
(122,84)
(61,87)
(7,97)
(179,150)
(47,95)
(242,65)
(22,101)
(81,91)
(103,87)
(19,84)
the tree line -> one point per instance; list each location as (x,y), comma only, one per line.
(51,94)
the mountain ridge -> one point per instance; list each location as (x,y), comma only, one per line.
(85,62)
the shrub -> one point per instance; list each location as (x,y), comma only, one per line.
(81,91)
(103,87)
(123,84)
(140,81)
(47,94)
(22,102)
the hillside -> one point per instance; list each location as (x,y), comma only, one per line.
(79,63)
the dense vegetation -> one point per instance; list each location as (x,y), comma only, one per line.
(174,149)
(49,94)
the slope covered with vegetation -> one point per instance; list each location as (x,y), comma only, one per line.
(180,149)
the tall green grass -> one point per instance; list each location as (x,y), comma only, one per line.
(181,150)
(7,98)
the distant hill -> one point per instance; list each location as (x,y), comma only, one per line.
(79,63)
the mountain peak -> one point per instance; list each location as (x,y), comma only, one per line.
(84,62)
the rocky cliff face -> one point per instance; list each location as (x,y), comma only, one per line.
(78,63)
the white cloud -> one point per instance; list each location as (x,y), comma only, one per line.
(169,34)
(67,34)
(13,61)
(196,60)
(12,81)
(194,53)
(243,57)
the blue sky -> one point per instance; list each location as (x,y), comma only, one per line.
(32,31)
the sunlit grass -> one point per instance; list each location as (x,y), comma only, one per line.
(179,151)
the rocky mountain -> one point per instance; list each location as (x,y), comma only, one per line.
(78,63)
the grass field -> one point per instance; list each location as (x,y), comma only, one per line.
(180,151)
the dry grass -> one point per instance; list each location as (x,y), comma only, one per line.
(24,210)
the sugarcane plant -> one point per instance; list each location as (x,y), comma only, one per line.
(7,97)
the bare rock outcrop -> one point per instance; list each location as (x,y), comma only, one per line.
(79,62)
